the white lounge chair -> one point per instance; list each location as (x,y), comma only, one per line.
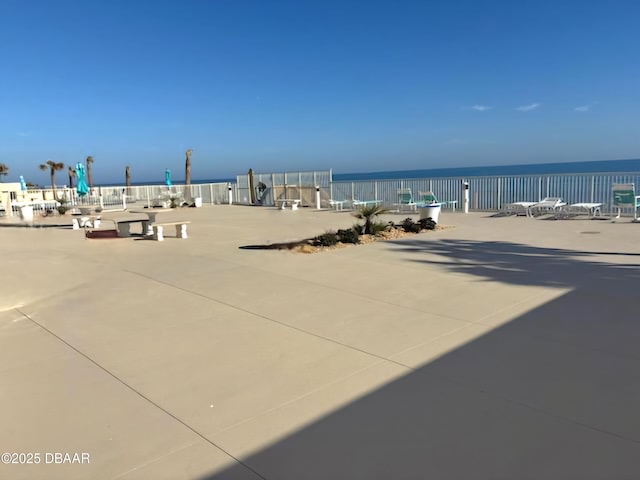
(547,205)
(336,204)
(591,209)
(624,196)
(364,203)
(520,207)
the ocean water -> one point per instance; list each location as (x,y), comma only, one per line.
(601,166)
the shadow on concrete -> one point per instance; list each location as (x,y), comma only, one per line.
(278,246)
(552,394)
(35,225)
(521,264)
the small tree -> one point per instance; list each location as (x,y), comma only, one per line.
(127,179)
(368,213)
(4,170)
(89,162)
(187,174)
(72,173)
(53,167)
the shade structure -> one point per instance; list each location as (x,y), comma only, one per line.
(23,184)
(82,188)
(167,178)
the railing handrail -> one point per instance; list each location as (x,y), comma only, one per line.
(460,177)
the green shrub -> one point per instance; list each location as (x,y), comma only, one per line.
(378,227)
(408,225)
(368,213)
(427,224)
(349,235)
(357,227)
(326,239)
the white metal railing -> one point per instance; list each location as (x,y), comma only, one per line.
(492,193)
(46,201)
(489,193)
(210,193)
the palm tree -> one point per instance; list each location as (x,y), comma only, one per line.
(4,170)
(72,173)
(89,162)
(187,173)
(368,213)
(53,167)
(127,179)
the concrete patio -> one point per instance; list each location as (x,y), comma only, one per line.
(502,348)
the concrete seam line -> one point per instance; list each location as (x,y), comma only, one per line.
(283,324)
(140,394)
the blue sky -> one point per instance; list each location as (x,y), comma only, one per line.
(286,85)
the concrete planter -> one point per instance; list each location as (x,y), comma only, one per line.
(431,211)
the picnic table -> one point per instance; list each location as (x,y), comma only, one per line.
(152,214)
(122,224)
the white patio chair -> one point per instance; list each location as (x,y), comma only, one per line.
(624,196)
(405,199)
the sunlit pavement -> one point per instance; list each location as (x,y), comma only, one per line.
(501,348)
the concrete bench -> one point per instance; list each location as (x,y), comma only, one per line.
(158,229)
(90,221)
(294,203)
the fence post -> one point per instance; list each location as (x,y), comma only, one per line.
(465,203)
(539,189)
(593,188)
(548,186)
(375,190)
(499,188)
(353,186)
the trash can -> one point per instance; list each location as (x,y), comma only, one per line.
(198,202)
(26,213)
(431,210)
